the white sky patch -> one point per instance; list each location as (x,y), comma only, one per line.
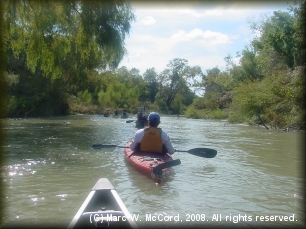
(149,20)
(200,14)
(203,34)
(154,51)
(210,37)
(219,13)
(236,60)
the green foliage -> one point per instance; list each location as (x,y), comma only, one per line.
(266,87)
(225,80)
(109,97)
(234,117)
(62,57)
(211,75)
(160,101)
(300,28)
(11,79)
(278,32)
(60,37)
(177,106)
(272,101)
(252,98)
(84,97)
(192,112)
(175,81)
(55,47)
(211,100)
(150,77)
(118,95)
(217,114)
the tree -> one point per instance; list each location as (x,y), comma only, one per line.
(279,33)
(217,86)
(274,101)
(211,75)
(300,27)
(60,42)
(150,77)
(51,31)
(252,100)
(176,78)
(117,94)
(248,62)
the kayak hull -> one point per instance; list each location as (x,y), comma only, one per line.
(141,124)
(102,208)
(147,162)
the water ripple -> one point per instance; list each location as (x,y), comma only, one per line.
(51,168)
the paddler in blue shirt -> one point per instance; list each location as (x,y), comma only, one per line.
(152,138)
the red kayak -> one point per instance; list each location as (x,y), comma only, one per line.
(153,165)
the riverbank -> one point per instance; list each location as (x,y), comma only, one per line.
(234,118)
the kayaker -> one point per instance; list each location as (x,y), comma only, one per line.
(139,115)
(106,113)
(152,138)
(116,112)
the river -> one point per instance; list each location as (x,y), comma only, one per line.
(255,180)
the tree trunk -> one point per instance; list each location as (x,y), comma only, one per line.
(262,122)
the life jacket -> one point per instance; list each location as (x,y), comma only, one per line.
(152,141)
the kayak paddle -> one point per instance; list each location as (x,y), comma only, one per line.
(200,152)
(101,146)
(158,169)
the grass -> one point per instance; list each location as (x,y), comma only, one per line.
(206,114)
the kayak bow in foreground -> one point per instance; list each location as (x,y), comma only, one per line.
(103,208)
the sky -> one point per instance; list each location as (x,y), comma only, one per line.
(202,32)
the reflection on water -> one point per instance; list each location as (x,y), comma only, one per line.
(50,169)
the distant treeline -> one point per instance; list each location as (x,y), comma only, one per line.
(62,58)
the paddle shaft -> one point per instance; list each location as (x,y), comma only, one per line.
(201,152)
(101,146)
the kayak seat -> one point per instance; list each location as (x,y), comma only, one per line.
(148,158)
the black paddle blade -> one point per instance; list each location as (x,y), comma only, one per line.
(203,152)
(158,169)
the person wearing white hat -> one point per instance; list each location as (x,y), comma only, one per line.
(152,138)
